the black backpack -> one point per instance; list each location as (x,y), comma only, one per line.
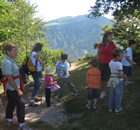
(1,74)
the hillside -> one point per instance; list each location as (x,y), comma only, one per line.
(76,35)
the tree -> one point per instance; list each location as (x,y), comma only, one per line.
(119,8)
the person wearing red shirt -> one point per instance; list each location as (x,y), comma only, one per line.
(104,56)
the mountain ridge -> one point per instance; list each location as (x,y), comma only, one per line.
(75,35)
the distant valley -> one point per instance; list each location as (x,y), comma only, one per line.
(76,35)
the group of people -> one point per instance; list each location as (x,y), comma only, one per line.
(108,59)
(111,72)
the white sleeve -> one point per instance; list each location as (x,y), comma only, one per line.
(120,67)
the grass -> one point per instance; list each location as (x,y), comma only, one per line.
(100,119)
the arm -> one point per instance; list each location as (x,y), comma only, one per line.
(127,58)
(68,61)
(51,82)
(38,59)
(122,75)
(98,55)
(12,82)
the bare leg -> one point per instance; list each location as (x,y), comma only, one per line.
(103,85)
(95,101)
(89,101)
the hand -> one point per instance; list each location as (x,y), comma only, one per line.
(125,75)
(42,63)
(55,82)
(20,93)
(134,63)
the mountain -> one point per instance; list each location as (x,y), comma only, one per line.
(76,35)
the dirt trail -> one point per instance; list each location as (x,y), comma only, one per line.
(54,115)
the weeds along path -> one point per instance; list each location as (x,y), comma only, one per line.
(55,115)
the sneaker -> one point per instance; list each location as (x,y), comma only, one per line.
(110,110)
(102,95)
(8,123)
(60,99)
(74,94)
(36,99)
(94,106)
(129,82)
(88,106)
(33,104)
(24,127)
(118,110)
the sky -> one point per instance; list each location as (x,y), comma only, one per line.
(53,9)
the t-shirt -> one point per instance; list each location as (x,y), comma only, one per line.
(9,67)
(94,77)
(67,66)
(38,65)
(128,53)
(115,67)
(48,79)
(106,52)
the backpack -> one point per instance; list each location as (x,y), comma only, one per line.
(28,67)
(1,74)
(61,69)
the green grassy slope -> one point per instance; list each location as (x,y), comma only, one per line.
(100,119)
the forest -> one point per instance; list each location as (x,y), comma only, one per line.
(19,25)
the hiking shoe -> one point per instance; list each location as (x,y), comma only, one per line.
(60,99)
(8,123)
(94,106)
(102,95)
(24,127)
(36,99)
(88,106)
(74,94)
(110,110)
(33,104)
(118,110)
(128,82)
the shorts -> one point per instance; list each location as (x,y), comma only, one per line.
(92,93)
(127,70)
(105,71)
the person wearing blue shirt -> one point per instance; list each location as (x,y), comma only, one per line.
(128,62)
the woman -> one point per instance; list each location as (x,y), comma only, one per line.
(104,56)
(10,70)
(37,75)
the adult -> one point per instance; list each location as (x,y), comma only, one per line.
(11,73)
(104,56)
(36,61)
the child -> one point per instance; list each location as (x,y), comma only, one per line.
(48,84)
(93,82)
(66,79)
(115,82)
(127,61)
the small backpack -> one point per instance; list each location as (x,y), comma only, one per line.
(1,74)
(28,67)
(61,69)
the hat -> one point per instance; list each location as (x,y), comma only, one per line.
(49,71)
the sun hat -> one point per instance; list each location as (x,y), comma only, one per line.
(49,71)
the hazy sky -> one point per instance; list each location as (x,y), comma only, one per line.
(53,9)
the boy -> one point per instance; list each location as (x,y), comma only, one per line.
(66,79)
(93,83)
(115,82)
(128,62)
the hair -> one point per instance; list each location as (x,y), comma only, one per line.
(64,56)
(132,42)
(94,62)
(104,40)
(37,47)
(117,52)
(9,47)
